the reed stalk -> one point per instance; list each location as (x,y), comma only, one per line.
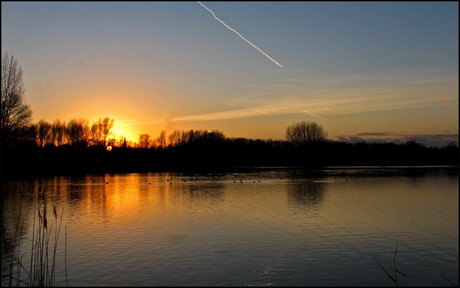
(451,283)
(17,234)
(42,265)
(396,271)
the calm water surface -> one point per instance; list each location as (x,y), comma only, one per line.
(249,228)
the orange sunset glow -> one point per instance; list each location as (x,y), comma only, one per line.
(229,144)
(154,70)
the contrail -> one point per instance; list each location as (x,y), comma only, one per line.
(314,114)
(239,34)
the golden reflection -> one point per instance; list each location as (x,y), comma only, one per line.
(116,198)
(157,203)
(128,197)
(154,198)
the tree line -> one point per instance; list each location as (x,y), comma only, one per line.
(75,132)
(16,128)
(78,145)
(79,132)
(212,150)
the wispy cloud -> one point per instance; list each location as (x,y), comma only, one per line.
(314,107)
(260,111)
(250,112)
(323,96)
(272,108)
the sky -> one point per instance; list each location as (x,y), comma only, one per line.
(374,71)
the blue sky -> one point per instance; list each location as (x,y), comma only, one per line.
(366,70)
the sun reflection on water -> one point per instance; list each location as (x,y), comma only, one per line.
(155,225)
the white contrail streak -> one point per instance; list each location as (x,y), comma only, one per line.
(314,114)
(239,34)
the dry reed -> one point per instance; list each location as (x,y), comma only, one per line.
(41,270)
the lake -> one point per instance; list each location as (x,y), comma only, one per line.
(245,227)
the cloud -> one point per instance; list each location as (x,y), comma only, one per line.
(428,140)
(435,140)
(232,114)
(322,96)
(318,107)
(373,134)
(286,106)
(443,100)
(355,139)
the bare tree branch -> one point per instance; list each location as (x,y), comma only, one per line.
(304,132)
(15,113)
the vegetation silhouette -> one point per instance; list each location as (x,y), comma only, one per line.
(78,150)
(33,266)
(14,112)
(305,132)
(77,146)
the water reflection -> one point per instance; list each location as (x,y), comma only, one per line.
(306,196)
(111,196)
(209,192)
(30,207)
(147,228)
(14,219)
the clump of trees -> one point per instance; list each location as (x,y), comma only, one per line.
(144,141)
(16,118)
(195,137)
(76,132)
(180,138)
(67,145)
(101,131)
(305,132)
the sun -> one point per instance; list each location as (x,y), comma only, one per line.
(123,131)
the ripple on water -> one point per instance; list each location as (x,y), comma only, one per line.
(292,228)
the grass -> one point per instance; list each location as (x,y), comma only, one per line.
(41,270)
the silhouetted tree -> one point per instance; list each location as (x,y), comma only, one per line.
(216,136)
(101,131)
(144,141)
(304,132)
(26,134)
(58,129)
(123,142)
(106,127)
(96,133)
(77,131)
(161,140)
(111,142)
(44,133)
(175,138)
(15,113)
